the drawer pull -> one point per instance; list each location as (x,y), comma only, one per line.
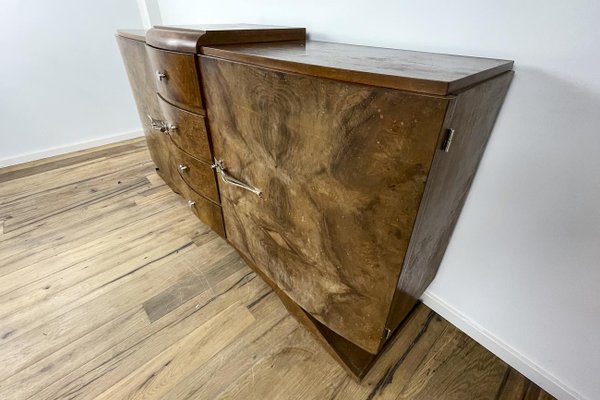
(160,76)
(163,126)
(191,203)
(219,166)
(182,168)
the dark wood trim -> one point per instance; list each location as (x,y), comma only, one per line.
(189,39)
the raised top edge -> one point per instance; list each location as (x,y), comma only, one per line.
(189,38)
(135,34)
(414,71)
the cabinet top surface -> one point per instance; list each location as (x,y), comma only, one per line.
(438,74)
(222,27)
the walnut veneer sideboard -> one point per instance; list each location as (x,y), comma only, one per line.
(337,171)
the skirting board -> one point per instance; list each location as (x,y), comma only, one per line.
(542,378)
(68,148)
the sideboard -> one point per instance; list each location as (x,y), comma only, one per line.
(337,171)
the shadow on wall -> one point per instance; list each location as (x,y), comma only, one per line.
(550,159)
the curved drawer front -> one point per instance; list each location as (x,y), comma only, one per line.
(199,176)
(208,212)
(176,78)
(188,130)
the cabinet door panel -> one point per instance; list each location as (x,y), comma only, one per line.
(342,169)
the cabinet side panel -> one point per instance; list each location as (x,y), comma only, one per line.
(474,113)
(141,79)
(342,170)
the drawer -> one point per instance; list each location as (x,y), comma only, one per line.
(187,130)
(176,78)
(198,175)
(207,211)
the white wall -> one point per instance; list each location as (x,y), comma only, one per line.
(62,82)
(522,272)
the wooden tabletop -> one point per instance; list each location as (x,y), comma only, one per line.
(437,74)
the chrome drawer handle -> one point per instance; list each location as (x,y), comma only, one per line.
(182,168)
(191,204)
(160,75)
(219,166)
(163,126)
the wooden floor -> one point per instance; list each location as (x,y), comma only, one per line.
(110,288)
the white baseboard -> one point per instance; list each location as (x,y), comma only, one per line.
(69,148)
(511,356)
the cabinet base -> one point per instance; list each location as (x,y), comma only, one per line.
(356,361)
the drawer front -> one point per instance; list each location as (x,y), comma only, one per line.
(208,212)
(176,78)
(187,130)
(198,175)
(342,169)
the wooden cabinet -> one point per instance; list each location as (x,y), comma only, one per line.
(341,169)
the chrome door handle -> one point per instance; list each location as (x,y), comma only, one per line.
(160,75)
(182,168)
(219,166)
(160,125)
(191,203)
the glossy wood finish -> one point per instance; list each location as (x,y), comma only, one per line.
(190,135)
(103,290)
(135,34)
(358,199)
(181,85)
(196,174)
(342,169)
(199,179)
(189,39)
(141,79)
(472,116)
(413,71)
(207,211)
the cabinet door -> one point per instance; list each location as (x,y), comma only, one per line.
(342,169)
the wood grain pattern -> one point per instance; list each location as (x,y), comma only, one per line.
(190,134)
(189,39)
(197,183)
(198,175)
(88,278)
(342,168)
(413,71)
(142,82)
(346,231)
(351,357)
(181,85)
(208,212)
(472,117)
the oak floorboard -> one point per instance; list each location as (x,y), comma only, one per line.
(110,366)
(115,290)
(157,376)
(66,288)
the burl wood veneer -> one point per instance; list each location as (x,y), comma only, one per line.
(337,171)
